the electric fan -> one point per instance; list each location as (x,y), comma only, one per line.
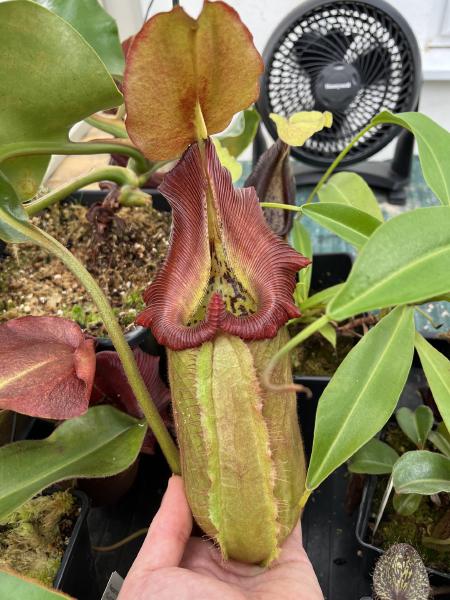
(352,58)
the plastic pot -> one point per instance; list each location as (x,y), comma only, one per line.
(88,197)
(76,575)
(330,269)
(106,491)
(371,552)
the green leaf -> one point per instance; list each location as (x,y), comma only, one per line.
(10,203)
(329,333)
(416,425)
(362,394)
(406,504)
(51,80)
(437,371)
(422,472)
(97,27)
(228,161)
(406,260)
(374,458)
(433,143)
(440,440)
(102,442)
(351,224)
(351,189)
(236,140)
(15,587)
(321,298)
(301,241)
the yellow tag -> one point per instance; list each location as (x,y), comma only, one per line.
(301,126)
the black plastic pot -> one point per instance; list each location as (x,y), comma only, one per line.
(76,575)
(330,269)
(327,270)
(327,527)
(88,197)
(371,552)
(307,407)
(110,524)
(16,427)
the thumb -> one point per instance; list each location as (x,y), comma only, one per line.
(169,531)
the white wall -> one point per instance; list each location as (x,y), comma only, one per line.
(427,18)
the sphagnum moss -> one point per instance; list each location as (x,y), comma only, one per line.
(31,541)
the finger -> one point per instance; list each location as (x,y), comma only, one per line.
(169,531)
(201,553)
(294,539)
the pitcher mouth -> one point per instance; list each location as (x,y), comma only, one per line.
(225,271)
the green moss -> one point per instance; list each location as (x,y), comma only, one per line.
(395,528)
(85,319)
(33,539)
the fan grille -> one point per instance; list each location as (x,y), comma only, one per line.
(353,33)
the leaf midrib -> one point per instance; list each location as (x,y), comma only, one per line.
(418,481)
(438,165)
(362,391)
(25,372)
(79,457)
(362,238)
(392,275)
(442,380)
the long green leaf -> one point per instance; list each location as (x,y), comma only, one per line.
(10,203)
(102,442)
(406,260)
(50,79)
(362,394)
(422,472)
(97,27)
(351,189)
(301,241)
(349,223)
(15,587)
(437,371)
(417,424)
(374,458)
(433,142)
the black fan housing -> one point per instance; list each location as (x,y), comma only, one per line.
(351,57)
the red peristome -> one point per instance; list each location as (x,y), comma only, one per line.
(47,367)
(177,336)
(111,387)
(255,256)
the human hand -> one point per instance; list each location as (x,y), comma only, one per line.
(173,566)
